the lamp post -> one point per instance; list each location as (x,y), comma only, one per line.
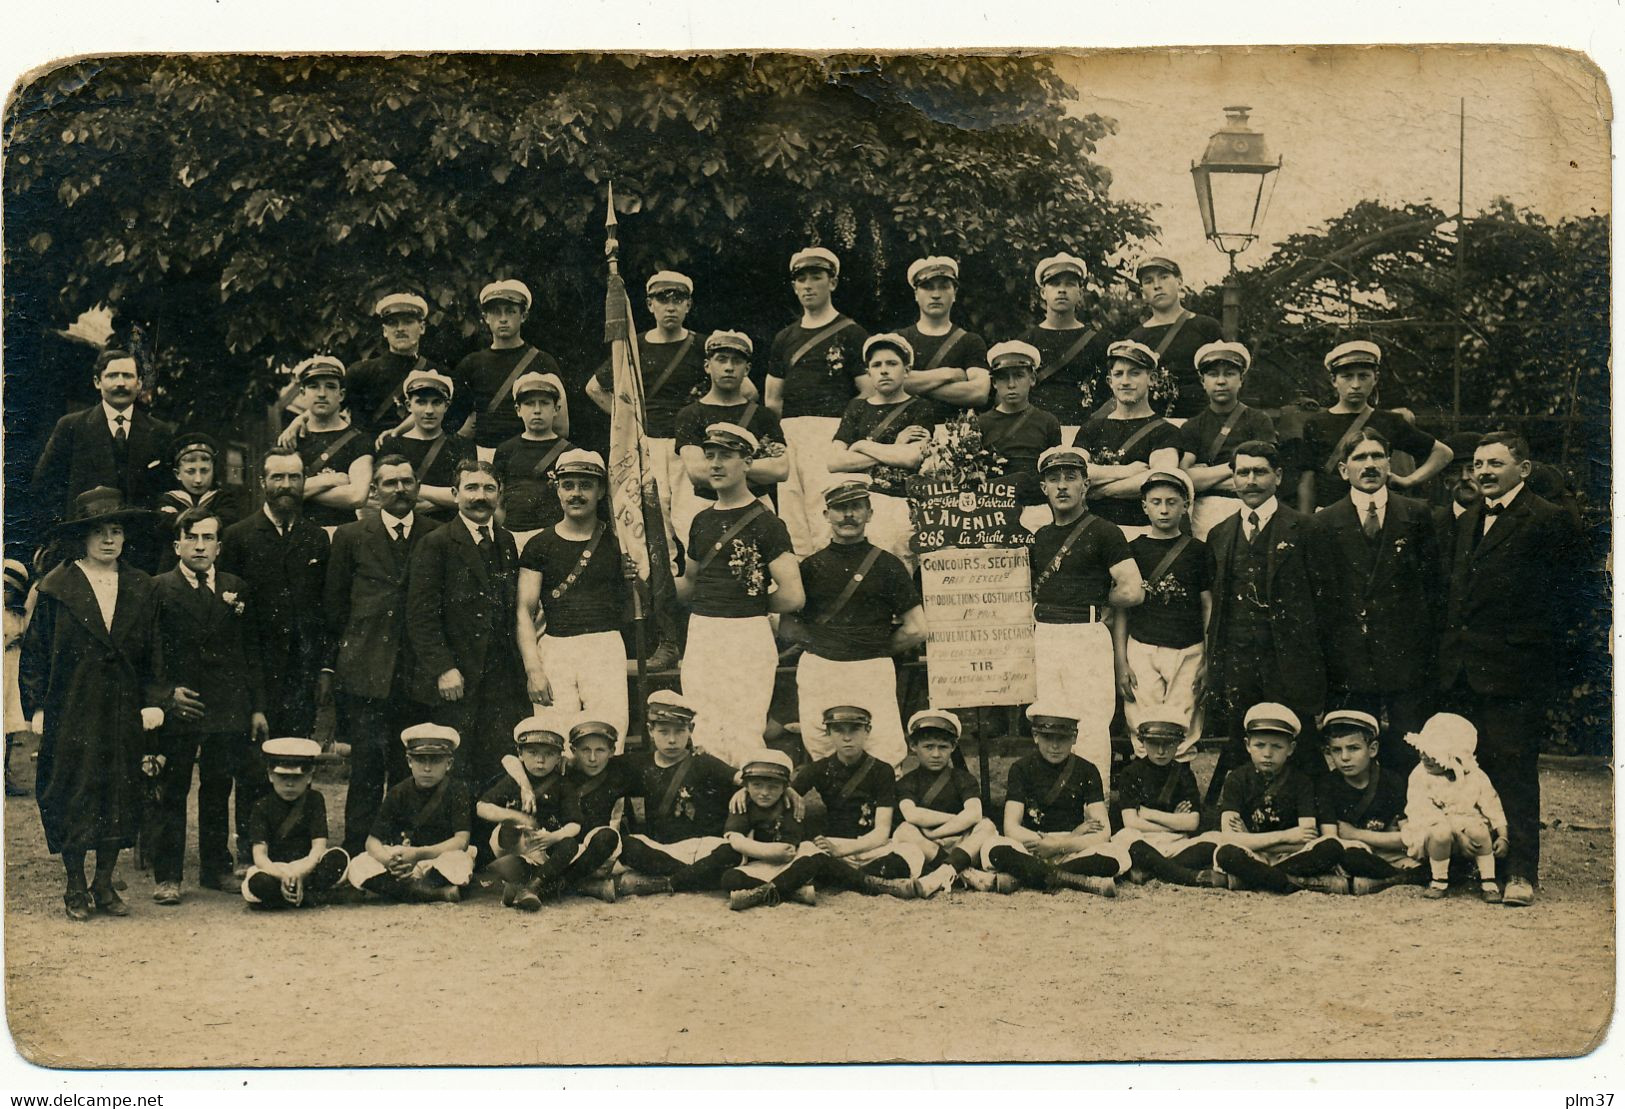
(1234,182)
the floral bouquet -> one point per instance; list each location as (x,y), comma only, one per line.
(958,454)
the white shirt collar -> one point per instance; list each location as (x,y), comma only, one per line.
(191,577)
(1266,511)
(474,529)
(392,522)
(1456,510)
(1379,498)
(113,415)
(280,530)
(1508,497)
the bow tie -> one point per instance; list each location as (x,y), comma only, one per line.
(1494,509)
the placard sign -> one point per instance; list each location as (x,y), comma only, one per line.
(979,618)
(946,516)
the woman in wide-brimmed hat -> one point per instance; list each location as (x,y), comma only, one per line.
(88,670)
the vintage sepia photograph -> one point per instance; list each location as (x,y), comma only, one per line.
(788,557)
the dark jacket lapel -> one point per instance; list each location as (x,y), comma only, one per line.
(1510,520)
(68,584)
(464,540)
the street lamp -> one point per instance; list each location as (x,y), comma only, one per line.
(1234,182)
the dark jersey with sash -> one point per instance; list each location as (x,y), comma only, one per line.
(1116,443)
(598,793)
(686,800)
(851,794)
(1268,805)
(372,390)
(1377,807)
(1082,578)
(580,596)
(947,790)
(774,823)
(1142,784)
(1055,796)
(959,349)
(480,378)
(336,451)
(1176,345)
(883,423)
(1171,614)
(1021,437)
(525,468)
(861,625)
(731,550)
(673,376)
(819,366)
(423,817)
(1212,437)
(695,419)
(288,828)
(556,801)
(1065,368)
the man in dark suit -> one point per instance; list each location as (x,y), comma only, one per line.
(1374,561)
(1512,590)
(462,597)
(282,559)
(218,722)
(371,658)
(1263,643)
(113,443)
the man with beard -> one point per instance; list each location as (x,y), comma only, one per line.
(371,661)
(282,559)
(461,599)
(1374,561)
(1462,488)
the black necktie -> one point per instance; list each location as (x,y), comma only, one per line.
(400,533)
(1252,527)
(202,583)
(120,436)
(488,548)
(1371,525)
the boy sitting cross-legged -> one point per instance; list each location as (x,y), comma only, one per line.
(533,844)
(1269,840)
(780,862)
(1362,804)
(288,829)
(1056,830)
(1162,809)
(418,847)
(941,807)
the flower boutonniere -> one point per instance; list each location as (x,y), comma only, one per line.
(232,602)
(1399,545)
(1284,545)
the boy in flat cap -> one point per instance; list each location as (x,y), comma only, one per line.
(197,485)
(485,379)
(1127,442)
(1071,353)
(293,865)
(572,582)
(1161,809)
(1056,833)
(1362,804)
(940,808)
(336,453)
(1208,440)
(779,862)
(1082,569)
(535,834)
(814,371)
(1158,643)
(1355,368)
(418,849)
(1268,836)
(950,363)
(862,609)
(859,793)
(527,463)
(1016,428)
(728,400)
(1173,332)
(685,796)
(736,550)
(433,451)
(884,435)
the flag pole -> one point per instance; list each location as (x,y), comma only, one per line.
(640,645)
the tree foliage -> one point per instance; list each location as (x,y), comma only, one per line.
(245,211)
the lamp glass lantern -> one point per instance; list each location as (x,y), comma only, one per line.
(1234,182)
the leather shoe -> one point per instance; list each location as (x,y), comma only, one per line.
(77,905)
(664,658)
(167,893)
(1518,893)
(108,901)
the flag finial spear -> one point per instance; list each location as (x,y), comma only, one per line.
(612,245)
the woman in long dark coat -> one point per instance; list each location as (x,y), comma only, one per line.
(90,664)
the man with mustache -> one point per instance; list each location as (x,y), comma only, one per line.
(1374,562)
(113,443)
(461,597)
(282,559)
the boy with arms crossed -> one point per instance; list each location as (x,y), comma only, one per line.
(1018,429)
(533,843)
(1208,440)
(292,863)
(418,847)
(941,808)
(1362,805)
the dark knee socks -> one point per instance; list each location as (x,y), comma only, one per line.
(268,888)
(644,859)
(1092,866)
(957,859)
(706,873)
(1252,871)
(1366,864)
(1029,870)
(887,866)
(1152,861)
(600,846)
(1317,860)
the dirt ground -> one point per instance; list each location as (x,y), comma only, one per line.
(1159,973)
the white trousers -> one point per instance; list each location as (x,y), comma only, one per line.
(1074,670)
(1164,689)
(1035,516)
(869,683)
(727,674)
(588,676)
(686,851)
(1210,511)
(766,872)
(811,440)
(457,867)
(891,529)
